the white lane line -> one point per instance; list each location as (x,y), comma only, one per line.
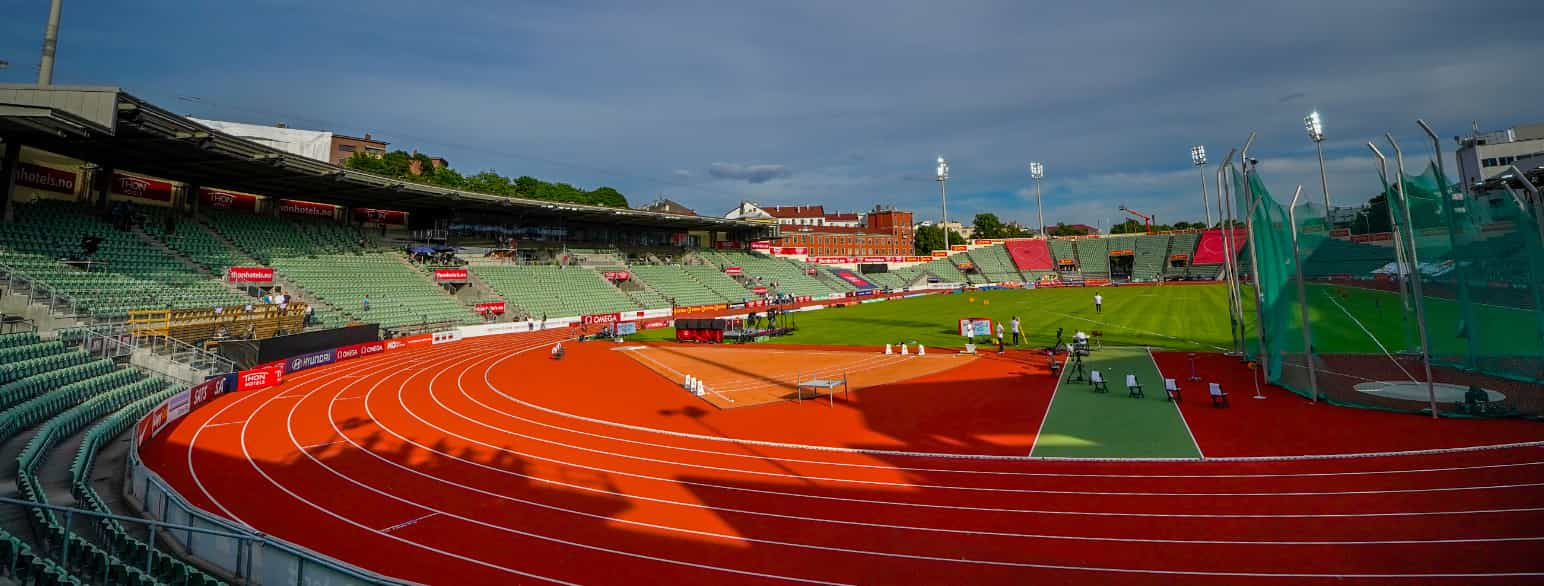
(1177,410)
(407,523)
(322,445)
(224,424)
(1060,376)
(1369,335)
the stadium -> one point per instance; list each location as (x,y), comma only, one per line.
(223,361)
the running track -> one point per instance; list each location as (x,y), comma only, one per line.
(439,465)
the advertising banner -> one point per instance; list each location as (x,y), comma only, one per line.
(495,307)
(249,275)
(759,290)
(444,337)
(940,253)
(700,308)
(601,319)
(958,247)
(1374,237)
(761,245)
(617,275)
(409,341)
(201,393)
(982,242)
(359,350)
(226,200)
(451,276)
(734,271)
(45,178)
(832,260)
(261,377)
(177,406)
(374,216)
(142,188)
(158,418)
(312,360)
(975,326)
(811,272)
(655,324)
(789,250)
(307,208)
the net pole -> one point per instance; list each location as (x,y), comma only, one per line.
(1254,260)
(1465,297)
(1222,222)
(1415,281)
(1401,258)
(1538,224)
(1243,333)
(1302,297)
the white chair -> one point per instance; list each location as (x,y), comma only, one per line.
(1172,389)
(1219,398)
(1096,378)
(1133,387)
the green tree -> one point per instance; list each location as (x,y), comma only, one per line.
(1061,229)
(399,165)
(988,226)
(927,239)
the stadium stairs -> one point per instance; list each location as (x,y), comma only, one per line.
(60,407)
(1152,254)
(1093,256)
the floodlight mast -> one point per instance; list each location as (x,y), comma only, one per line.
(1198,158)
(50,44)
(1037,172)
(1314,125)
(943,194)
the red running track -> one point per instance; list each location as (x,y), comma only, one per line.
(450,464)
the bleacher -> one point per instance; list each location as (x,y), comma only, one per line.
(552,291)
(765,271)
(125,273)
(993,261)
(267,238)
(399,294)
(1180,244)
(673,282)
(55,391)
(1093,256)
(1031,257)
(1060,250)
(944,268)
(1152,254)
(716,281)
(892,280)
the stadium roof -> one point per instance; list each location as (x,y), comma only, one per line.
(107,126)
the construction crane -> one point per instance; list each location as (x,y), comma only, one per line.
(1145,218)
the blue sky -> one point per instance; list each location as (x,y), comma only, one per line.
(839,103)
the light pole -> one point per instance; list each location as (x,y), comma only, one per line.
(1037,172)
(943,194)
(1198,158)
(1315,127)
(50,44)
(1415,275)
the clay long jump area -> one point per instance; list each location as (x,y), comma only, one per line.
(744,376)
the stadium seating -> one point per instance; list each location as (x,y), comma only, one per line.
(1063,250)
(1093,258)
(766,271)
(674,283)
(944,269)
(125,273)
(1152,253)
(993,262)
(399,294)
(892,280)
(716,281)
(552,291)
(1180,244)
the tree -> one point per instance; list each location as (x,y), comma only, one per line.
(988,226)
(399,164)
(927,239)
(1061,229)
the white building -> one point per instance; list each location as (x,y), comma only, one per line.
(1483,156)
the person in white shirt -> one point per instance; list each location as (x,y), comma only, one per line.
(1098,303)
(1000,348)
(1015,330)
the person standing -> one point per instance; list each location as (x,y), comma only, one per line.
(1000,348)
(1098,303)
(364,304)
(1015,331)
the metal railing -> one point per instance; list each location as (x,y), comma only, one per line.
(239,551)
(115,341)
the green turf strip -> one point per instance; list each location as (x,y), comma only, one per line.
(1085,424)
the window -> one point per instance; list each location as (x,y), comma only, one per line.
(345,148)
(1507,160)
(375,151)
(1488,162)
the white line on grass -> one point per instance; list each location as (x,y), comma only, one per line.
(1047,416)
(1369,335)
(1177,410)
(1126,327)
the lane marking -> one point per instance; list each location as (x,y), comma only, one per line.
(1177,410)
(1040,431)
(407,523)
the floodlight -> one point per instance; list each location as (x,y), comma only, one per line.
(1198,155)
(1314,125)
(1036,170)
(943,169)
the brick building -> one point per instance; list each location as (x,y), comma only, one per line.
(344,146)
(882,232)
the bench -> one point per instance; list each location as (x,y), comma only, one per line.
(1219,398)
(1171,388)
(1133,387)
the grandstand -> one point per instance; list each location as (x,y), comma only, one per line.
(1031,257)
(1066,260)
(766,271)
(1093,256)
(994,263)
(553,291)
(1180,244)
(1152,254)
(398,294)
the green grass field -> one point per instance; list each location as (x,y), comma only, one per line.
(1084,424)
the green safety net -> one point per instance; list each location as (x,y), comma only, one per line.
(1480,263)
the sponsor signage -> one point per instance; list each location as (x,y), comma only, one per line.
(409,341)
(1123,252)
(249,275)
(655,324)
(141,188)
(260,377)
(759,290)
(811,271)
(312,360)
(158,418)
(307,208)
(227,200)
(958,247)
(1375,237)
(352,351)
(853,279)
(918,259)
(734,271)
(374,216)
(701,308)
(494,307)
(450,276)
(617,275)
(627,328)
(975,326)
(438,338)
(178,405)
(45,178)
(940,253)
(1179,257)
(980,242)
(761,245)
(788,250)
(601,318)
(201,393)
(737,305)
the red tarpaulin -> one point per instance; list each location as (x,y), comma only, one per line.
(1212,250)
(1030,255)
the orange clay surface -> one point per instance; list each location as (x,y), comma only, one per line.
(744,376)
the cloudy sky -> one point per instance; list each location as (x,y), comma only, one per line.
(839,103)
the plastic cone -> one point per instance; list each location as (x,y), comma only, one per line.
(887,350)
(921,351)
(903,350)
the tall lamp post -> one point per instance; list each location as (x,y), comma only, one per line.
(50,44)
(1315,127)
(1198,158)
(1037,172)
(943,194)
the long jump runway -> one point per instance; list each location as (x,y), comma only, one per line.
(449,473)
